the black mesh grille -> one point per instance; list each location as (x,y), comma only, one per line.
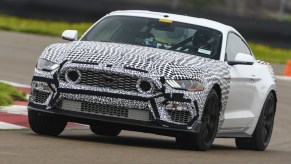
(180,116)
(39,96)
(102,109)
(114,81)
(110,80)
(109,110)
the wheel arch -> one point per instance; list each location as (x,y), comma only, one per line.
(223,98)
(275,94)
(276,99)
(217,89)
(272,89)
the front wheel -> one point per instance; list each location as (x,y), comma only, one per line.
(45,125)
(263,132)
(209,125)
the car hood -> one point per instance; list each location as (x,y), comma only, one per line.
(155,61)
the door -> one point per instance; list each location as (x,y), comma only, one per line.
(238,111)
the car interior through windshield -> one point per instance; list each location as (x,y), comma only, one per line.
(158,33)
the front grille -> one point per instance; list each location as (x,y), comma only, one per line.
(39,96)
(102,109)
(104,79)
(180,116)
(109,80)
(106,110)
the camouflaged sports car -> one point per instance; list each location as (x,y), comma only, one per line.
(190,78)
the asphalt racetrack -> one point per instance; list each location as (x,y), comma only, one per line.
(18,56)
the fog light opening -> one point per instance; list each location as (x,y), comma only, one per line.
(144,86)
(176,106)
(73,76)
(41,86)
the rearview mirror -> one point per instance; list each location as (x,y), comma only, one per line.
(242,59)
(70,35)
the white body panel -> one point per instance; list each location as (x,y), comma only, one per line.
(250,85)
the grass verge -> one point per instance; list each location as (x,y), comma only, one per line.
(271,54)
(55,28)
(52,28)
(9,93)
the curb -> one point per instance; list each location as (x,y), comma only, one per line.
(17,85)
(15,116)
(22,87)
(285,78)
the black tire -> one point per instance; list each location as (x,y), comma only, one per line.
(45,125)
(105,130)
(263,132)
(209,125)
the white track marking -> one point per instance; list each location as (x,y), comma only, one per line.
(4,125)
(14,109)
(285,78)
(15,84)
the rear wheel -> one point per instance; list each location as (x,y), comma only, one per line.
(209,124)
(45,125)
(105,130)
(263,132)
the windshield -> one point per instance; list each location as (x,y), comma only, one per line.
(162,34)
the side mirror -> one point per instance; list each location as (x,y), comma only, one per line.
(242,59)
(70,35)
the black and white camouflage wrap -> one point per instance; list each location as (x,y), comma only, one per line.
(156,63)
(271,70)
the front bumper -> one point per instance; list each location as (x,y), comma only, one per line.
(94,104)
(154,127)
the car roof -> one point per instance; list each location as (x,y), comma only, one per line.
(178,18)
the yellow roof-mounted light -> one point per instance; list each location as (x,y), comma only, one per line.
(165,20)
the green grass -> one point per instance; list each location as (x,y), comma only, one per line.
(52,28)
(9,93)
(271,54)
(55,28)
(288,17)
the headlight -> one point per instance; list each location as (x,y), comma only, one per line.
(46,65)
(188,85)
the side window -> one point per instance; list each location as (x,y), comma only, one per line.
(234,46)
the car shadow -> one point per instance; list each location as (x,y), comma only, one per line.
(137,141)
(155,142)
